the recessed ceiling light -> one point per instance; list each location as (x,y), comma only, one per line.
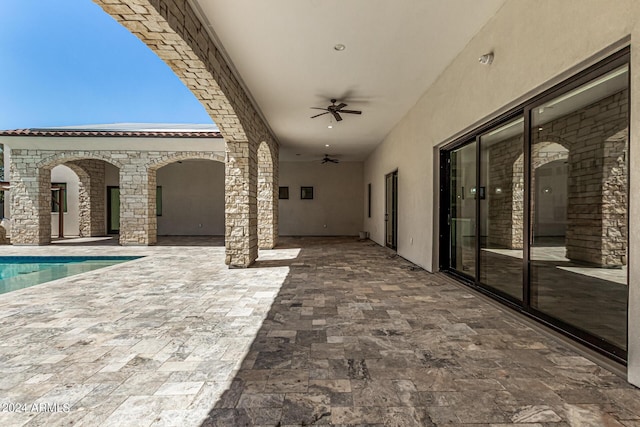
(339,47)
(330,127)
(326,145)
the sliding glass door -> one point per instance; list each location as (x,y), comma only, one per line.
(579,145)
(502,208)
(535,207)
(462,210)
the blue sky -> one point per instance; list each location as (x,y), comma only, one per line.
(66,62)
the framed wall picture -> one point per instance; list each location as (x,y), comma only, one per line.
(283,193)
(306,193)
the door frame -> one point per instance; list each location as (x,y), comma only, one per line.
(109,229)
(525,306)
(393,193)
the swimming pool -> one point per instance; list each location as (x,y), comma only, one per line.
(18,272)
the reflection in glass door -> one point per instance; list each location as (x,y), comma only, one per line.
(462,209)
(113,210)
(502,207)
(551,205)
(578,213)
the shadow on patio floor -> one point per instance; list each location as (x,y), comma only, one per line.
(359,337)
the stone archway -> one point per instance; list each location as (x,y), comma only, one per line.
(31,194)
(92,196)
(151,183)
(172,30)
(541,154)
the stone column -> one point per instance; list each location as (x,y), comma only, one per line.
(241,210)
(138,220)
(91,174)
(267,198)
(505,190)
(30,199)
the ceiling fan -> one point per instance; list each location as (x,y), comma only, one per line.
(335,110)
(328,159)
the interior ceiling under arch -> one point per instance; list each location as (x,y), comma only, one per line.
(283,51)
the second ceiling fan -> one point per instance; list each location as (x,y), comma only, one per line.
(335,110)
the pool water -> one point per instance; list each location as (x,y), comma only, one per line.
(18,272)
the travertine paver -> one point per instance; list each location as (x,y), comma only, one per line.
(153,341)
(321,331)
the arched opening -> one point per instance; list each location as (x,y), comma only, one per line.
(65,201)
(34,215)
(541,154)
(184,44)
(186,195)
(87,208)
(190,198)
(549,219)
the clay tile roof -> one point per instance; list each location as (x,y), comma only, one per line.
(140,130)
(112,133)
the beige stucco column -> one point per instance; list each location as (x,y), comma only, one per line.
(633,359)
(138,222)
(30,199)
(241,209)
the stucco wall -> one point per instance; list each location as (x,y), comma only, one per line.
(62,173)
(192,198)
(336,208)
(556,38)
(111,177)
(536,45)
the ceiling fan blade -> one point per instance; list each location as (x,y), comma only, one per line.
(351,111)
(317,115)
(340,106)
(319,108)
(337,116)
(327,159)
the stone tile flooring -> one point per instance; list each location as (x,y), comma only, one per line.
(320,332)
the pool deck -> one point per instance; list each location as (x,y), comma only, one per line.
(320,331)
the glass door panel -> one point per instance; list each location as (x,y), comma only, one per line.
(462,209)
(391,210)
(501,194)
(113,210)
(578,211)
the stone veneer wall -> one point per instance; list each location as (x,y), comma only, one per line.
(92,189)
(267,198)
(31,194)
(84,199)
(594,142)
(30,199)
(506,171)
(173,31)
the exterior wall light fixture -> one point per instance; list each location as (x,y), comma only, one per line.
(486,59)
